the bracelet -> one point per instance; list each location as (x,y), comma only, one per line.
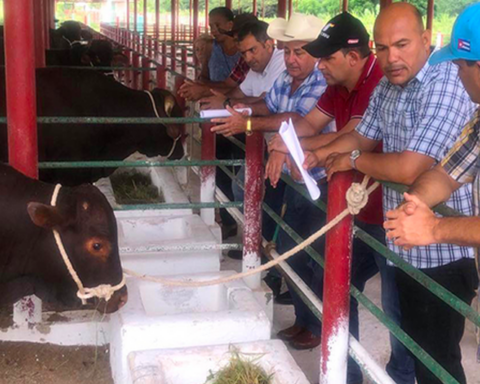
(249,131)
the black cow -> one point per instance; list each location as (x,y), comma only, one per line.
(70,32)
(30,262)
(76,92)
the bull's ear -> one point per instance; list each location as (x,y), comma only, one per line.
(169,104)
(44,216)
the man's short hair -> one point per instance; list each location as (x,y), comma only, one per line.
(222,11)
(364,51)
(256,28)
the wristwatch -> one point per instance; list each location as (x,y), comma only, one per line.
(354,155)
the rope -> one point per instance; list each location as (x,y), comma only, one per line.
(158,116)
(357,198)
(102,291)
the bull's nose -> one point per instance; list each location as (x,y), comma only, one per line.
(123,300)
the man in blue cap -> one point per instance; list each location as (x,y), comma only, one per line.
(413,223)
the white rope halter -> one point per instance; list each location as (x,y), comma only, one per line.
(158,116)
(102,291)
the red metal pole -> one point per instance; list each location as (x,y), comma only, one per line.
(336,294)
(430,14)
(164,55)
(127,2)
(207,189)
(128,72)
(384,3)
(184,62)
(196,31)
(282,8)
(52,13)
(135,64)
(145,27)
(161,77)
(290,8)
(135,14)
(206,16)
(39,20)
(252,231)
(157,26)
(145,74)
(20,84)
(254,7)
(228,4)
(46,22)
(173,27)
(345,5)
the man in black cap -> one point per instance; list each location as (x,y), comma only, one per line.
(352,73)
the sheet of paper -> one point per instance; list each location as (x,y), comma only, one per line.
(212,113)
(289,136)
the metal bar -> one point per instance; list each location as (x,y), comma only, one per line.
(195,20)
(254,185)
(137,164)
(345,5)
(145,75)
(127,3)
(39,25)
(157,26)
(161,77)
(135,73)
(333,361)
(254,7)
(173,24)
(182,248)
(207,177)
(282,8)
(202,206)
(228,4)
(206,16)
(135,15)
(430,14)
(117,120)
(20,86)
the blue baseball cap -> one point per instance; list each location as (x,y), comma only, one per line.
(465,43)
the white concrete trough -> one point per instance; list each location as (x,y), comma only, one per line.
(193,365)
(160,317)
(167,245)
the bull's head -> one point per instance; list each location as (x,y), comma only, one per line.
(167,106)
(87,227)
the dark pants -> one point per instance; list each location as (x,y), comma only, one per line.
(433,324)
(305,219)
(365,264)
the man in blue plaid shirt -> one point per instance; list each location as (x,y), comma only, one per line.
(417,110)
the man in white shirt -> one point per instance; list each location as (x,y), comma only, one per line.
(266,65)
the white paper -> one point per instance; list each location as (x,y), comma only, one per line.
(289,136)
(211,113)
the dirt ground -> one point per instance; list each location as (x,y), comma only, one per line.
(27,363)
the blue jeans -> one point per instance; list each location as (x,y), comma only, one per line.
(305,219)
(365,264)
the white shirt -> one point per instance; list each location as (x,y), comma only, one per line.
(256,83)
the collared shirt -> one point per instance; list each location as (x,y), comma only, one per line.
(240,71)
(425,117)
(344,106)
(462,162)
(302,101)
(257,83)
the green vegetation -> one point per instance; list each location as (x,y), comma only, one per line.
(134,188)
(240,370)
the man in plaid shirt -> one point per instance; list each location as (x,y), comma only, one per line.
(414,224)
(417,110)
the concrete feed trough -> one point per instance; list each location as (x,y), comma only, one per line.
(163,245)
(160,317)
(193,365)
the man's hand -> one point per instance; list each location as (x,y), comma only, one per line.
(412,224)
(193,91)
(337,162)
(229,126)
(277,144)
(311,160)
(273,170)
(294,171)
(213,102)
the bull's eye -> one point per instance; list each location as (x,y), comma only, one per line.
(97,246)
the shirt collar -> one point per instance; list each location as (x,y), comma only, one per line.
(367,70)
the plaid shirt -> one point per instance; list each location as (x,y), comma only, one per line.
(425,117)
(239,72)
(303,100)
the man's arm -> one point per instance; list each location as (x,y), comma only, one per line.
(216,101)
(315,142)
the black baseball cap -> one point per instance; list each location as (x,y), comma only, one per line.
(239,21)
(343,31)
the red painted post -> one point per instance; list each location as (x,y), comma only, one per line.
(252,231)
(135,64)
(228,4)
(290,8)
(127,3)
(145,27)
(157,26)
(52,13)
(173,27)
(206,16)
(254,7)
(161,77)
(164,55)
(135,14)
(430,14)
(184,61)
(207,189)
(336,294)
(173,58)
(196,31)
(20,84)
(38,14)
(282,8)
(345,5)
(145,74)
(384,3)
(46,22)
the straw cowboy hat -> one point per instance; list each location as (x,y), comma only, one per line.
(299,27)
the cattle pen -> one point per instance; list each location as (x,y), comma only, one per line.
(162,56)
